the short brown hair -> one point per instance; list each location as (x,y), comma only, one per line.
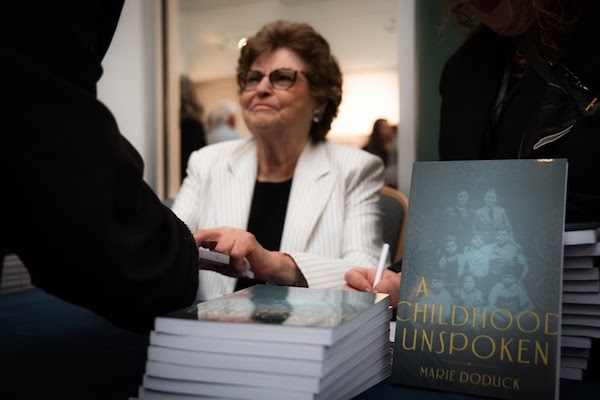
(324,75)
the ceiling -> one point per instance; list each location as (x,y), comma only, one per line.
(362,34)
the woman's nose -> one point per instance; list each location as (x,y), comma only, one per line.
(264,85)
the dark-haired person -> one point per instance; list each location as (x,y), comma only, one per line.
(381,140)
(519,85)
(300,209)
(191,127)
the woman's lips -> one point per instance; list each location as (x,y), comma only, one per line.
(262,106)
(485,6)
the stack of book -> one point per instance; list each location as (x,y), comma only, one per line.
(271,342)
(581,297)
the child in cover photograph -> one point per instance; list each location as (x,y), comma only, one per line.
(477,254)
(437,296)
(452,263)
(491,216)
(505,251)
(508,295)
(468,295)
(458,218)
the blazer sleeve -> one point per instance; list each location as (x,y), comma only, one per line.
(361,232)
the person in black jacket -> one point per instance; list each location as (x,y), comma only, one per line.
(74,205)
(519,87)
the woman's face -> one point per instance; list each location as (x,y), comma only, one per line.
(462,198)
(489,199)
(275,111)
(505,17)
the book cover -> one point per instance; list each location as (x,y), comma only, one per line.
(582,250)
(582,233)
(373,327)
(278,313)
(581,286)
(480,296)
(577,342)
(284,378)
(583,274)
(582,298)
(362,377)
(582,262)
(283,364)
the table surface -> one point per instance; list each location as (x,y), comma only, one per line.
(53,349)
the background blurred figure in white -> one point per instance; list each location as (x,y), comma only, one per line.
(221,123)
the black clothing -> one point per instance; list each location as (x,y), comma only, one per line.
(75,207)
(377,150)
(192,138)
(267,217)
(469,130)
(267,212)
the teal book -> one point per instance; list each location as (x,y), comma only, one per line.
(278,313)
(480,297)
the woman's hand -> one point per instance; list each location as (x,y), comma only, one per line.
(271,266)
(360,278)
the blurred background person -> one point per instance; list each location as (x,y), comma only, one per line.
(300,209)
(190,122)
(382,143)
(222,122)
(381,140)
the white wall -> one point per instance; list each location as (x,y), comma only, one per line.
(131,82)
(407,76)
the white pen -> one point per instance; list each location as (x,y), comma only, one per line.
(381,265)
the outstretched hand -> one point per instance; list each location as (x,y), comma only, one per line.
(360,278)
(271,266)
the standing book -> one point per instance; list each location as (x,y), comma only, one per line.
(480,297)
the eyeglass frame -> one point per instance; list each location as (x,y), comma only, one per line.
(243,85)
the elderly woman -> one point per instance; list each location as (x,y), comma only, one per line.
(299,210)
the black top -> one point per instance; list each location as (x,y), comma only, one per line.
(75,206)
(192,138)
(267,217)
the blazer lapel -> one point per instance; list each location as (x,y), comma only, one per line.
(311,189)
(234,186)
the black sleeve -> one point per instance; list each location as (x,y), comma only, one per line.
(75,207)
(396,267)
(192,138)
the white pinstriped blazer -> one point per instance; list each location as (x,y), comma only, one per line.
(333,220)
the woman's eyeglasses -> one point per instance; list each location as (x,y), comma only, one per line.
(280,79)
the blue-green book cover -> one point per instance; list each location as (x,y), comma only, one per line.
(278,313)
(480,296)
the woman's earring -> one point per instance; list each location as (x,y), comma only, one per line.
(317,115)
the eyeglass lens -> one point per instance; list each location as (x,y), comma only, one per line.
(281,79)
